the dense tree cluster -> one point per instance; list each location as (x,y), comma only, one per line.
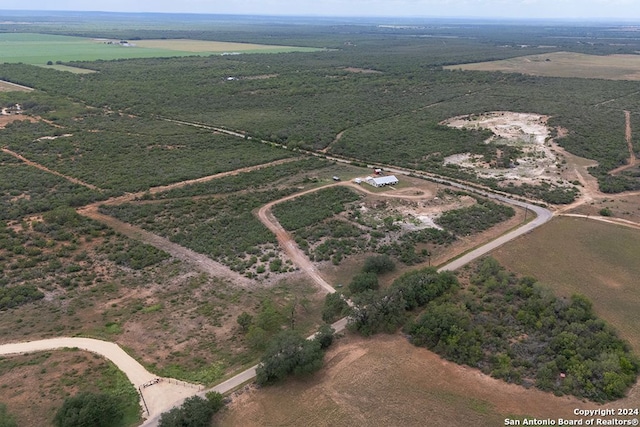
(479,217)
(517,330)
(90,409)
(386,311)
(194,412)
(289,353)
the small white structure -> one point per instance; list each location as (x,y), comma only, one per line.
(382,180)
(357,180)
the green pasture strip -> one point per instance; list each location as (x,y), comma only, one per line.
(38,49)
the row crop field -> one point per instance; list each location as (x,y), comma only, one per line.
(39,49)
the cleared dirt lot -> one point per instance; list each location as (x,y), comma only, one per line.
(387,381)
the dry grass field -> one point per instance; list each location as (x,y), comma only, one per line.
(34,386)
(565,64)
(12,87)
(575,255)
(201,46)
(386,381)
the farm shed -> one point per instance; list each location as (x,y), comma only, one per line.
(382,181)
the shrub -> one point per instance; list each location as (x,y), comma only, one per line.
(89,409)
(363,282)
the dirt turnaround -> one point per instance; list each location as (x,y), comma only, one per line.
(157,395)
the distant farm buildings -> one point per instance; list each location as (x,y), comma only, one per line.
(381,181)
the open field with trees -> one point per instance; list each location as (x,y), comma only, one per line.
(35,386)
(564,64)
(388,381)
(573,255)
(372,94)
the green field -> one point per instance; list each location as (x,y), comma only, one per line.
(38,49)
(595,259)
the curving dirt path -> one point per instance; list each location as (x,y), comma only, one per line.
(156,398)
(200,261)
(288,244)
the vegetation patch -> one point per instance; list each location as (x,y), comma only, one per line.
(26,190)
(223,228)
(519,331)
(591,258)
(37,386)
(265,177)
(473,219)
(312,208)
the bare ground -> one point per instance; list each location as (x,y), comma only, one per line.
(387,381)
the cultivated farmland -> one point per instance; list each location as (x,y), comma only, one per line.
(39,49)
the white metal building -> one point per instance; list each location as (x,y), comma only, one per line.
(382,180)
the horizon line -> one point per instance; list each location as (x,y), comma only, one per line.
(599,20)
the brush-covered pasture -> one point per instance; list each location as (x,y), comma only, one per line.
(576,255)
(376,95)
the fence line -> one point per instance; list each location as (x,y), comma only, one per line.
(143,401)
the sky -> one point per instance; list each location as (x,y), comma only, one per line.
(628,10)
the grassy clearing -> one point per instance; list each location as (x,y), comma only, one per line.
(595,259)
(12,87)
(38,49)
(34,386)
(204,46)
(385,381)
(564,64)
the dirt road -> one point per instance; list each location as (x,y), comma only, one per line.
(288,244)
(46,169)
(199,261)
(158,397)
(629,138)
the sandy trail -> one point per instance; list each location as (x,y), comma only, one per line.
(46,169)
(199,261)
(158,397)
(629,138)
